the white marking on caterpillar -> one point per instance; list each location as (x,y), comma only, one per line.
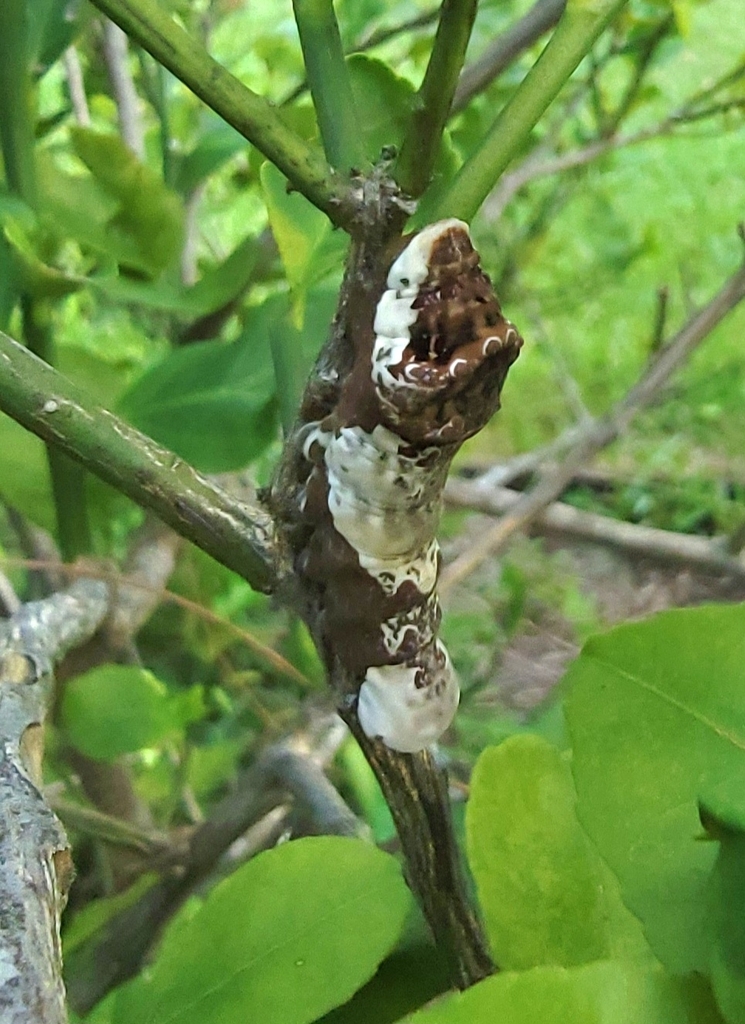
(407,716)
(386,505)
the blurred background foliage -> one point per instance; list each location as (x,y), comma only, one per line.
(173,276)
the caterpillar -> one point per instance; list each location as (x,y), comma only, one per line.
(430,357)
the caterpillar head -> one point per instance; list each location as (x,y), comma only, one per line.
(442,346)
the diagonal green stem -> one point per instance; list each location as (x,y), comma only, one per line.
(17,122)
(254,117)
(46,403)
(329,82)
(433,101)
(580,26)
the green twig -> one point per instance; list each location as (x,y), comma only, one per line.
(17,142)
(329,82)
(435,96)
(580,26)
(250,114)
(42,400)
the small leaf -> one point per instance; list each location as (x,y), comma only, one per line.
(544,891)
(115,709)
(655,709)
(288,936)
(386,99)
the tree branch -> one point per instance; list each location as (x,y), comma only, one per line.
(432,104)
(116,53)
(37,867)
(575,34)
(590,438)
(329,82)
(505,49)
(238,535)
(250,114)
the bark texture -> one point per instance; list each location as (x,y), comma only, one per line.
(34,852)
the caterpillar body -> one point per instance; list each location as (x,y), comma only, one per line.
(427,374)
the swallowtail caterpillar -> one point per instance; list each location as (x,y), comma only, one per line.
(429,363)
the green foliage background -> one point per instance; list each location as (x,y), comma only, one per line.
(604,835)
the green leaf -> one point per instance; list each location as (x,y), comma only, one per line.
(605,992)
(723,814)
(295,345)
(544,892)
(217,144)
(52,27)
(309,247)
(33,276)
(148,213)
(211,403)
(654,710)
(386,101)
(290,935)
(115,709)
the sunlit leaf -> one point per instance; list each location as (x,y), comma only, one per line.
(655,709)
(288,936)
(115,709)
(546,896)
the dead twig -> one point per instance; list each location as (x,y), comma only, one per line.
(116,55)
(643,541)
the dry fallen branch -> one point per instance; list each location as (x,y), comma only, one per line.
(37,867)
(592,437)
(644,541)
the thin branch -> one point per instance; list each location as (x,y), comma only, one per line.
(377,38)
(329,82)
(37,867)
(237,534)
(250,114)
(76,87)
(9,602)
(575,34)
(116,55)
(600,432)
(416,790)
(432,104)
(505,49)
(537,165)
(657,338)
(703,553)
(265,656)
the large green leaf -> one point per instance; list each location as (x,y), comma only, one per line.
(115,709)
(605,992)
(655,709)
(148,214)
(290,935)
(211,403)
(546,896)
